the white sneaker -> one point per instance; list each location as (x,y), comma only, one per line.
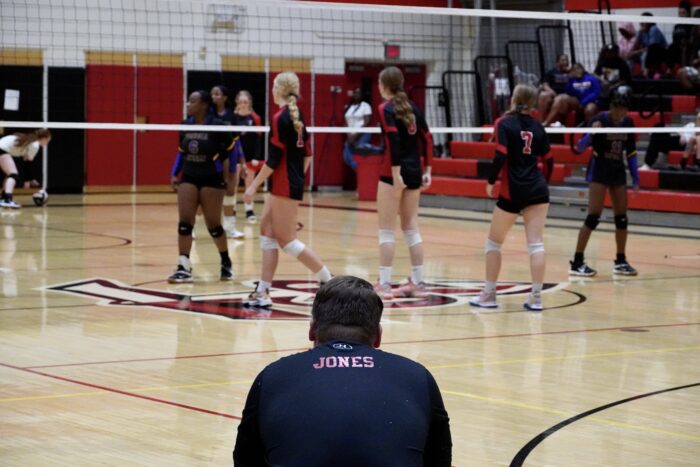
(9,203)
(259,299)
(644,167)
(556,125)
(534,302)
(484,300)
(232,232)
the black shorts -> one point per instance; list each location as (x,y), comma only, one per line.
(213,181)
(516,207)
(412,181)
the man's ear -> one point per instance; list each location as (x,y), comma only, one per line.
(378,337)
(312,331)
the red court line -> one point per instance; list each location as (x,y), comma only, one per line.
(384,344)
(123,393)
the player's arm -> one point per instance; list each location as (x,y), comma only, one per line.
(176,171)
(427,138)
(438,446)
(249,450)
(631,152)
(388,122)
(547,156)
(307,150)
(499,159)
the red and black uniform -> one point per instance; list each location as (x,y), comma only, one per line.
(251,140)
(405,145)
(201,155)
(288,148)
(520,142)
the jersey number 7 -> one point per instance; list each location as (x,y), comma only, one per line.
(526,136)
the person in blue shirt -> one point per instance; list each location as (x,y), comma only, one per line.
(652,49)
(582,93)
(344,403)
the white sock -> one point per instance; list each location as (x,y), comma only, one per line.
(185,262)
(249,207)
(385,274)
(324,275)
(490,287)
(229,222)
(417,274)
(536,288)
(263,286)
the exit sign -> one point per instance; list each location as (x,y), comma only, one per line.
(392,51)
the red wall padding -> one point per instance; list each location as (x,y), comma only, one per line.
(472,149)
(329,168)
(109,98)
(159,101)
(455,167)
(615,4)
(649,178)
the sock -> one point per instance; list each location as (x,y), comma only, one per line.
(263,286)
(385,274)
(249,207)
(417,274)
(225,259)
(578,258)
(536,288)
(621,258)
(229,222)
(490,287)
(324,275)
(184,261)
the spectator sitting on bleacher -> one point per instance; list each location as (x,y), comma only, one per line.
(553,84)
(686,141)
(689,75)
(652,49)
(582,92)
(627,42)
(680,51)
(613,72)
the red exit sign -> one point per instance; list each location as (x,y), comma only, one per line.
(392,51)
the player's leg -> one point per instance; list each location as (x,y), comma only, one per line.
(230,204)
(387,210)
(534,217)
(187,203)
(618,196)
(408,213)
(7,164)
(596,196)
(270,256)
(211,199)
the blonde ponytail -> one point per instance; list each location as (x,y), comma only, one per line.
(23,139)
(294,112)
(392,80)
(288,87)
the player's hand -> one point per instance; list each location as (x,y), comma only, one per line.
(489,190)
(174,182)
(248,195)
(399,185)
(426,181)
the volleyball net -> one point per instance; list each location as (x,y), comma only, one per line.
(111,78)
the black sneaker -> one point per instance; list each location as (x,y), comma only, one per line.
(226,273)
(624,269)
(581,270)
(180,276)
(250,216)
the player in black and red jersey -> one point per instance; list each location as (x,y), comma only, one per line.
(405,173)
(520,143)
(288,160)
(198,176)
(606,173)
(244,115)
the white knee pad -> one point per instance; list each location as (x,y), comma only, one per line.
(386,236)
(492,246)
(412,237)
(533,248)
(267,243)
(294,248)
(230,200)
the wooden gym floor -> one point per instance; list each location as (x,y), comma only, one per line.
(103,363)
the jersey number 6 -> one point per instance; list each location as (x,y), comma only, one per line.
(527,141)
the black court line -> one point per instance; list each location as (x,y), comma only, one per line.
(527,449)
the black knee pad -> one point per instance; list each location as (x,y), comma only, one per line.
(592,221)
(621,222)
(15,176)
(184,229)
(217,231)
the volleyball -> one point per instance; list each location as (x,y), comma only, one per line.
(40,198)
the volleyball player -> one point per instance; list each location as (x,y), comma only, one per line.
(198,176)
(606,174)
(244,115)
(403,176)
(520,142)
(222,110)
(20,145)
(288,160)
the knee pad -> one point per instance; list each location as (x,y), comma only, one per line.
(533,248)
(267,243)
(621,222)
(15,176)
(412,237)
(230,200)
(184,229)
(592,221)
(294,248)
(217,231)
(386,236)
(492,246)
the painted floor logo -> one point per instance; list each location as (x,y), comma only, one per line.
(292,298)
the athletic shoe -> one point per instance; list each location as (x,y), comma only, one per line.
(644,167)
(233,233)
(180,276)
(226,273)
(534,302)
(484,300)
(259,299)
(624,269)
(581,270)
(410,289)
(9,203)
(250,216)
(384,291)
(556,125)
